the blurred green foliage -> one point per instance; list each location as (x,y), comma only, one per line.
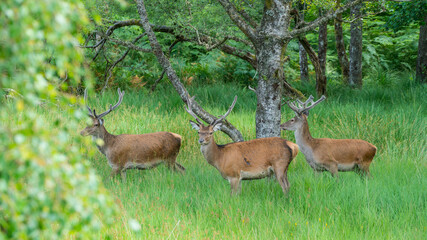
(406,13)
(47,188)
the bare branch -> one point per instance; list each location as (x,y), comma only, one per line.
(126,23)
(92,46)
(234,38)
(203,40)
(252,89)
(245,55)
(157,81)
(364,15)
(248,18)
(109,70)
(217,44)
(125,43)
(238,20)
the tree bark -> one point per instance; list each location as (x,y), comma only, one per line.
(355,76)
(421,73)
(320,77)
(227,128)
(269,90)
(303,63)
(270,48)
(323,44)
(339,39)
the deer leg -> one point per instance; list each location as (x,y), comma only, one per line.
(178,167)
(282,178)
(123,174)
(235,185)
(174,166)
(363,169)
(332,167)
(317,172)
(115,171)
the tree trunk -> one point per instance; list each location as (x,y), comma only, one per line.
(339,39)
(227,128)
(323,44)
(269,91)
(421,74)
(355,76)
(270,48)
(320,77)
(303,63)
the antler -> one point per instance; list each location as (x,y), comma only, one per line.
(87,106)
(303,105)
(226,114)
(121,94)
(188,109)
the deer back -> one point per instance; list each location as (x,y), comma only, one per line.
(143,148)
(344,151)
(255,155)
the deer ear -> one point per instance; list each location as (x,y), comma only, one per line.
(217,127)
(101,122)
(195,125)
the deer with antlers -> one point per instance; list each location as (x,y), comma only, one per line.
(254,159)
(322,154)
(126,151)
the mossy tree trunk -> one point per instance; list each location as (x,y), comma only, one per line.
(355,74)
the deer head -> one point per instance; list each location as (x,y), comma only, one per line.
(97,127)
(206,132)
(301,112)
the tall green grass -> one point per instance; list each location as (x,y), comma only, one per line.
(198,205)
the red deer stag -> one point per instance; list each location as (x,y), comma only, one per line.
(328,154)
(254,159)
(125,151)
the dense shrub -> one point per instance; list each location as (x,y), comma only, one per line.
(47,189)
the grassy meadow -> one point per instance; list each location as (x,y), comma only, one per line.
(198,205)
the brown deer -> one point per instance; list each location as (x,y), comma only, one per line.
(125,151)
(322,154)
(254,159)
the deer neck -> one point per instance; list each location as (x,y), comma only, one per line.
(106,137)
(211,153)
(303,137)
